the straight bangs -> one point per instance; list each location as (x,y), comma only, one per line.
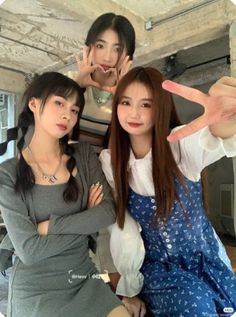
(66,92)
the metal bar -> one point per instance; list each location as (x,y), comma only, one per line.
(31,46)
(13,70)
(150,24)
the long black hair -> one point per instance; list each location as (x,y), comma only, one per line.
(119,24)
(42,87)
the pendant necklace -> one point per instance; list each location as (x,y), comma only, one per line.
(101,97)
(50,178)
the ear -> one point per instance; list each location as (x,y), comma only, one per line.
(33,104)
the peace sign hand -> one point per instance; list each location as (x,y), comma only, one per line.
(219,108)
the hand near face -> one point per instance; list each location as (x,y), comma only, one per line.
(86,69)
(219,107)
(119,71)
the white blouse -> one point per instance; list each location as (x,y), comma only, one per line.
(197,151)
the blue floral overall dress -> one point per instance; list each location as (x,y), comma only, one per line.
(183,274)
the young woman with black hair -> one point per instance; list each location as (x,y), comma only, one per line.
(110,45)
(53,199)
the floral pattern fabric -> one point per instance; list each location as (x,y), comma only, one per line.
(183,274)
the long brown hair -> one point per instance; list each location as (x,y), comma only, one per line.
(164,166)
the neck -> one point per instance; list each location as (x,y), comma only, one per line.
(45,149)
(104,79)
(141,145)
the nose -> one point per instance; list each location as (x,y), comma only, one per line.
(134,112)
(66,114)
(108,55)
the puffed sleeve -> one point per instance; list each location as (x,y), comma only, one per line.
(127,248)
(194,152)
(210,143)
(30,247)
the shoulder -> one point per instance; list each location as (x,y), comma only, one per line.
(105,156)
(81,147)
(8,172)
(84,153)
(9,165)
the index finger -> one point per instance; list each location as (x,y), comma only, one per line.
(143,311)
(90,55)
(189,129)
(188,93)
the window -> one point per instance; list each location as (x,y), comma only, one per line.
(7,120)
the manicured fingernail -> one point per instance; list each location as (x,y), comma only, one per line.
(100,187)
(97,184)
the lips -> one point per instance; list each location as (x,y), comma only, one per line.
(62,127)
(134,124)
(105,67)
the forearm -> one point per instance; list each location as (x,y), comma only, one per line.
(31,247)
(86,222)
(49,246)
(28,244)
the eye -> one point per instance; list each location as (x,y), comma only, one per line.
(99,45)
(118,49)
(59,103)
(75,111)
(146,105)
(124,103)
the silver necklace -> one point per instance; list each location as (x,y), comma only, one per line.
(50,178)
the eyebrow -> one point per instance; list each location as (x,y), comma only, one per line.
(103,41)
(143,99)
(66,98)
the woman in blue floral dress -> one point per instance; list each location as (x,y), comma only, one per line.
(157,179)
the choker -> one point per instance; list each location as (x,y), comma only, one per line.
(101,97)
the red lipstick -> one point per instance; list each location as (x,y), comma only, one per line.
(62,127)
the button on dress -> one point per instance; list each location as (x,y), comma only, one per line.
(183,274)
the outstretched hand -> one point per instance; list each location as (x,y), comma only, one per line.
(219,105)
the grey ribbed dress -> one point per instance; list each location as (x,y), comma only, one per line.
(53,275)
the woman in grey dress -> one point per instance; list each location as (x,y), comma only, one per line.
(51,179)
